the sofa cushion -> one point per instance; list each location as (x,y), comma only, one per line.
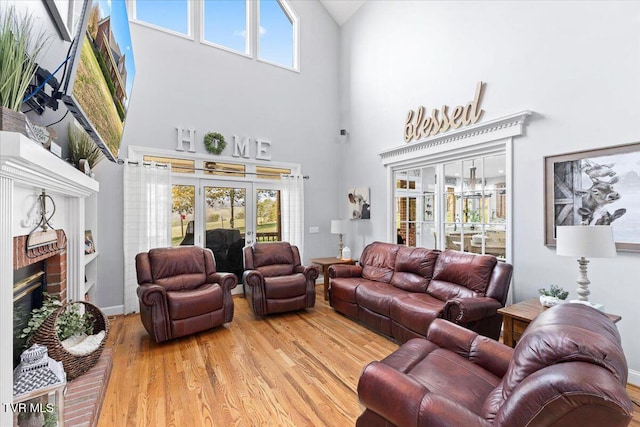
(378,260)
(177,268)
(444,372)
(416,311)
(275,270)
(285,286)
(272,253)
(469,270)
(344,288)
(576,333)
(414,268)
(190,303)
(377,296)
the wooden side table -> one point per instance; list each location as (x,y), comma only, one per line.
(517,317)
(324,264)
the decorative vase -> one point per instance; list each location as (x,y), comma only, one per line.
(13,121)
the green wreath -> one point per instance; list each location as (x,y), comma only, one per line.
(214,142)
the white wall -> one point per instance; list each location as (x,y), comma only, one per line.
(576,65)
(181,82)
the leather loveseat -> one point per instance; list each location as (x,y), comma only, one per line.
(567,369)
(399,290)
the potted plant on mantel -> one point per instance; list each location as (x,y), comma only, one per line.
(20,46)
(82,148)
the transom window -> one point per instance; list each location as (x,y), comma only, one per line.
(225,23)
(265,30)
(277,33)
(172,15)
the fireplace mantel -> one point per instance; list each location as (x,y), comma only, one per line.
(26,164)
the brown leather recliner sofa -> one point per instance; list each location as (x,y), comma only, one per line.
(400,290)
(568,369)
(181,293)
(275,280)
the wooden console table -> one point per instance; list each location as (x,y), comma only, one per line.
(517,317)
(324,264)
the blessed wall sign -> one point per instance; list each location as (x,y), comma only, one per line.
(420,125)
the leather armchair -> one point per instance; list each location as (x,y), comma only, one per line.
(181,293)
(568,369)
(275,281)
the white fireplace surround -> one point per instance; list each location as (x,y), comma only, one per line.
(26,166)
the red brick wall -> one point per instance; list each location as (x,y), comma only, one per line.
(55,255)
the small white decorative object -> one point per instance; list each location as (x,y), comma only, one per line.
(346,253)
(548,301)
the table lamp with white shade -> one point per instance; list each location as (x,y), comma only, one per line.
(585,241)
(337,227)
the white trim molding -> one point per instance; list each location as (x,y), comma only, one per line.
(482,133)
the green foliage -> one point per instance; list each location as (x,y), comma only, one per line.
(69,322)
(82,147)
(473,215)
(20,46)
(184,199)
(554,291)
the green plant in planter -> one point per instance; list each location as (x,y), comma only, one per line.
(70,322)
(20,46)
(81,146)
(554,291)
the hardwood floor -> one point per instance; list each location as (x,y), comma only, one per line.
(294,369)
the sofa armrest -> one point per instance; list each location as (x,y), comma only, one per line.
(344,270)
(391,394)
(310,273)
(252,278)
(405,402)
(467,310)
(228,281)
(489,354)
(150,294)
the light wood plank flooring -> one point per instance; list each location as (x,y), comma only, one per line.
(294,369)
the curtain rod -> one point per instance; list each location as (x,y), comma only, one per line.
(135,162)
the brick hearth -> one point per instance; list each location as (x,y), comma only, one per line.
(84,395)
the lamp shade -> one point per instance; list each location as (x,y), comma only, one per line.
(589,241)
(336,226)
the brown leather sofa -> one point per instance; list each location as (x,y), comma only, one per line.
(181,293)
(399,290)
(275,281)
(568,369)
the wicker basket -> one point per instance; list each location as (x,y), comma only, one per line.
(74,366)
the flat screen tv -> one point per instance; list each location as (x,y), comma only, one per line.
(101,73)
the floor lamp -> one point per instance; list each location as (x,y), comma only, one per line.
(337,227)
(593,241)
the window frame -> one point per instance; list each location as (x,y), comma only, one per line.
(295,22)
(249,28)
(134,19)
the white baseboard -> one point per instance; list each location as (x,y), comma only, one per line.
(115,310)
(634,377)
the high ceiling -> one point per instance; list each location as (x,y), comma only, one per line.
(342,10)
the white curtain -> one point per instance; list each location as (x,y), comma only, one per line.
(147,219)
(293,211)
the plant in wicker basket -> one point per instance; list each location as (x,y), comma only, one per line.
(56,325)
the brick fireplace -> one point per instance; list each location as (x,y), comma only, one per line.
(55,255)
